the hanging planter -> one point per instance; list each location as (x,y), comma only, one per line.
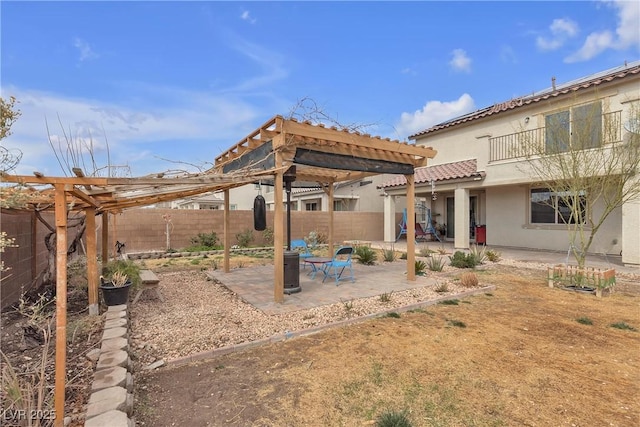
(588,279)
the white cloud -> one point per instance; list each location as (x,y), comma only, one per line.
(434,112)
(628,30)
(627,33)
(134,134)
(85,50)
(246,16)
(460,61)
(561,31)
(269,61)
(593,46)
(508,55)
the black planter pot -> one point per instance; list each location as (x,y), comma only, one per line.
(113,295)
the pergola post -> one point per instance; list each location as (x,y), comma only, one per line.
(61,302)
(411,228)
(92,263)
(330,197)
(114,236)
(105,238)
(227,231)
(278,232)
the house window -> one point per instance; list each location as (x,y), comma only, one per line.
(579,128)
(549,207)
(313,206)
(339,205)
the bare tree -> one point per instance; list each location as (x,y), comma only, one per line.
(307,110)
(588,165)
(9,159)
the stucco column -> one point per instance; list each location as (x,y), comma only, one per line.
(461,231)
(389,218)
(631,231)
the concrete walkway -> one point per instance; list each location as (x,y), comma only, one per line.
(525,255)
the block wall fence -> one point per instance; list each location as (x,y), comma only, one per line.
(144,230)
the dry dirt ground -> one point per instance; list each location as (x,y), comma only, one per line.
(523,354)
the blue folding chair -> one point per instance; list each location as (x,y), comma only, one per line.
(301,247)
(341,260)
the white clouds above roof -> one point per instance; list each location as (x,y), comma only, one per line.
(460,61)
(434,112)
(561,30)
(85,50)
(246,16)
(627,33)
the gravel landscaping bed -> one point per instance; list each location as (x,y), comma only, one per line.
(201,314)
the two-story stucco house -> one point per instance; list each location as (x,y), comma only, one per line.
(477,179)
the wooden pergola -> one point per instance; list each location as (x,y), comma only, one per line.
(324,156)
(320,155)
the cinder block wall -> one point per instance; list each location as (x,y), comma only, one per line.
(145,229)
(27,259)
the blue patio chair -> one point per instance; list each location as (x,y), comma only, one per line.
(301,247)
(341,260)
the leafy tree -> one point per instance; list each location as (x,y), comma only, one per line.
(588,163)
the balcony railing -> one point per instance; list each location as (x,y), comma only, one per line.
(531,142)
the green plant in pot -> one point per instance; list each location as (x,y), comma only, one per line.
(115,291)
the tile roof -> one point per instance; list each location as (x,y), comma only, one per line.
(443,172)
(632,69)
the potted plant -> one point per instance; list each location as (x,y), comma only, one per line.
(116,290)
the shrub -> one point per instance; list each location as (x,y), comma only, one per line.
(584,320)
(420,267)
(462,260)
(207,240)
(623,326)
(77,273)
(316,238)
(469,280)
(267,236)
(385,297)
(389,255)
(127,267)
(366,255)
(479,255)
(441,288)
(403,255)
(425,251)
(457,323)
(493,255)
(393,419)
(435,263)
(244,238)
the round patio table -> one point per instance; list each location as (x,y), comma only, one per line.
(317,264)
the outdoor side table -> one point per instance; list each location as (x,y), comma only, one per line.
(317,263)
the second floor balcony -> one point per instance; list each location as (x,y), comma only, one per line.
(548,140)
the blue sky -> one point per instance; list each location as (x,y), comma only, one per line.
(171,84)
